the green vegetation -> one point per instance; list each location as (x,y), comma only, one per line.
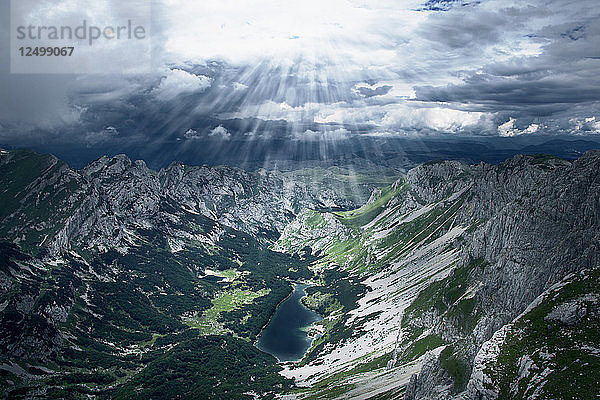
(457,366)
(23,205)
(322,303)
(208,323)
(340,292)
(349,250)
(422,230)
(562,352)
(127,318)
(229,275)
(369,212)
(333,385)
(392,394)
(331,392)
(23,168)
(152,323)
(315,219)
(211,367)
(421,346)
(536,159)
(353,184)
(448,296)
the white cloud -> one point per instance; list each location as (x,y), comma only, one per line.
(220,132)
(587,125)
(404,116)
(239,32)
(192,134)
(370,45)
(177,82)
(239,87)
(435,118)
(331,62)
(273,111)
(508,129)
(313,136)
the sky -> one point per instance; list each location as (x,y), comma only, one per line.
(312,71)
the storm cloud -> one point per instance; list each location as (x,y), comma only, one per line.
(498,68)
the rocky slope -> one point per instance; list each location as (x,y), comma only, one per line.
(111,275)
(46,203)
(449,256)
(454,281)
(549,351)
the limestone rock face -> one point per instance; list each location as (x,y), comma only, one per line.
(432,382)
(498,236)
(102,204)
(534,221)
(479,267)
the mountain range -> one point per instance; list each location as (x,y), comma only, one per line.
(450,280)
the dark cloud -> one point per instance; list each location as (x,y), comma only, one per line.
(466,30)
(445,5)
(535,62)
(561,79)
(378,91)
(497,91)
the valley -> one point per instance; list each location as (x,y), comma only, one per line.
(118,281)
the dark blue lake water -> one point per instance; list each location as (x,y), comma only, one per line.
(285,336)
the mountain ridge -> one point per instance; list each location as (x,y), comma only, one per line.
(415,275)
(498,235)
